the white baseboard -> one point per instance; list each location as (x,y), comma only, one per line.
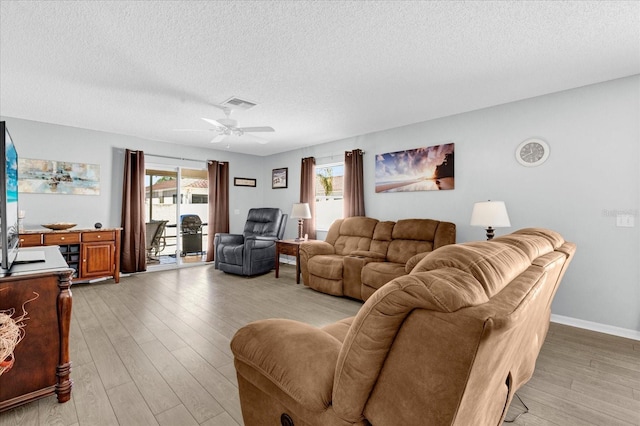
(594,326)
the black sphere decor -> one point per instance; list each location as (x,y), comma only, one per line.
(98,225)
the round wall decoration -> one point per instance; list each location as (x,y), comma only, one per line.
(532,152)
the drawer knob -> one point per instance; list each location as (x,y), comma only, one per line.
(62,238)
(99,236)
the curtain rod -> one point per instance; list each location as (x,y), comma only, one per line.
(338,155)
(174,158)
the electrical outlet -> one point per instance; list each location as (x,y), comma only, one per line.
(236,211)
(625,221)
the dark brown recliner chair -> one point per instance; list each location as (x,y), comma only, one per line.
(254,251)
(448,344)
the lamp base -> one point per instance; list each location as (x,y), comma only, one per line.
(300,221)
(490,234)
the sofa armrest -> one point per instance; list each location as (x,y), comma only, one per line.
(414,260)
(309,249)
(371,256)
(298,358)
(258,242)
(224,239)
(229,238)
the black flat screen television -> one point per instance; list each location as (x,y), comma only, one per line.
(9,237)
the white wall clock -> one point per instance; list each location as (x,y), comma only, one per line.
(532,152)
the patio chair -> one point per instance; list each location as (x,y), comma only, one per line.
(155,238)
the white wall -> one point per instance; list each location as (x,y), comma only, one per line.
(594,137)
(53,142)
(594,134)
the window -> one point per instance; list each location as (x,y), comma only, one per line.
(329,194)
(199,198)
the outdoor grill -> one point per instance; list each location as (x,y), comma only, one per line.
(191,233)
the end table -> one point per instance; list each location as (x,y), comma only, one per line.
(291,248)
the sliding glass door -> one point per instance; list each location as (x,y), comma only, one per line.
(176,200)
(193,214)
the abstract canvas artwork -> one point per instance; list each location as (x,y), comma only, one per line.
(420,169)
(58,177)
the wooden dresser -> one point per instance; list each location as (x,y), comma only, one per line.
(41,360)
(93,253)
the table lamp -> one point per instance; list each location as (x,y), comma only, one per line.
(490,215)
(301,212)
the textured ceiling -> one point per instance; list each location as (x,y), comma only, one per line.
(319,70)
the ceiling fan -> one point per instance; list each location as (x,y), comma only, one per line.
(228,126)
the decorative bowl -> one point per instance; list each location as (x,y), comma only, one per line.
(59,226)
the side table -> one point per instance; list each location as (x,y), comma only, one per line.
(291,248)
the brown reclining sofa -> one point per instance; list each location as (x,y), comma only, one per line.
(361,254)
(448,344)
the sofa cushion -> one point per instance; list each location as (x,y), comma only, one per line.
(355,233)
(382,237)
(410,237)
(328,286)
(377,274)
(339,329)
(326,266)
(400,251)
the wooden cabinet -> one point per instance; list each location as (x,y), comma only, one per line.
(97,259)
(91,253)
(41,360)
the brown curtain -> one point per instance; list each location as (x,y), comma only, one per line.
(218,173)
(133,256)
(353,183)
(308,194)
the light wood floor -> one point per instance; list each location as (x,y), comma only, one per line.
(154,349)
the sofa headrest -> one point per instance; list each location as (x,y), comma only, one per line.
(263,221)
(383,231)
(415,229)
(358,226)
(535,242)
(493,263)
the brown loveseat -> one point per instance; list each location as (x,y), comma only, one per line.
(448,344)
(361,254)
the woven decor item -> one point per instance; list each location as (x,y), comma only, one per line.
(11,333)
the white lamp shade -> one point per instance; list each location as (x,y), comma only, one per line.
(490,214)
(300,211)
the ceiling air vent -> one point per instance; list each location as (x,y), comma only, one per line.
(237,103)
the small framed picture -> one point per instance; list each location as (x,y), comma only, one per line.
(279,178)
(240,181)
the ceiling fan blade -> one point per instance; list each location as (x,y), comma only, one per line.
(257,129)
(214,122)
(218,138)
(255,138)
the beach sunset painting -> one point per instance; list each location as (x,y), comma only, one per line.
(421,169)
